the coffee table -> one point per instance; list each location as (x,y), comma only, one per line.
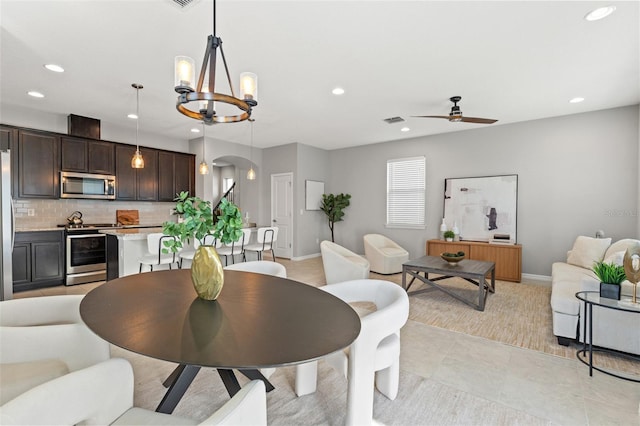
(258,321)
(472,271)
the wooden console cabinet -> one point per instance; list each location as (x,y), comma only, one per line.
(507,257)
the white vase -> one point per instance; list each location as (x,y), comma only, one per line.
(443,229)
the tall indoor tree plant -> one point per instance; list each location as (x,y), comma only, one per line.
(198,222)
(333,206)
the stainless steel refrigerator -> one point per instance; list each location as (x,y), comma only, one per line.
(7,230)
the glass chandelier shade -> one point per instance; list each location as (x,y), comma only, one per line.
(137,162)
(196,97)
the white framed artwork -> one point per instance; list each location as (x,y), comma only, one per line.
(313,194)
(482,207)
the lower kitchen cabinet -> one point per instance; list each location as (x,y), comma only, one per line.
(38,260)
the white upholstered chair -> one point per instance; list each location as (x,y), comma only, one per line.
(384,255)
(374,357)
(236,248)
(103,394)
(261,267)
(266,237)
(42,338)
(341,264)
(154,255)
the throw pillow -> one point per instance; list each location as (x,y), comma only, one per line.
(587,250)
(615,258)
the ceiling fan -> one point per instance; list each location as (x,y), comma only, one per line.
(456,115)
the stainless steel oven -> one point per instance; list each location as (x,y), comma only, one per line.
(86,256)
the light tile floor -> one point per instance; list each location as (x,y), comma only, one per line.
(504,384)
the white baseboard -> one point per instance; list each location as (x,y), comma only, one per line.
(308,256)
(544,280)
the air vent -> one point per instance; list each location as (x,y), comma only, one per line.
(392,120)
(184,3)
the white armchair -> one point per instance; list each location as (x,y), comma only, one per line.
(103,394)
(384,255)
(43,338)
(260,267)
(374,356)
(341,264)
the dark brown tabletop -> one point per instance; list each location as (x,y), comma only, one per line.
(257,321)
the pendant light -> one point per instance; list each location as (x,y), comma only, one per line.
(204,167)
(137,162)
(251,174)
(192,95)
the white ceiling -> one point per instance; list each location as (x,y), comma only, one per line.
(509,60)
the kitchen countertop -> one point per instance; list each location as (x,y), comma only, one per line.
(131,233)
(36,229)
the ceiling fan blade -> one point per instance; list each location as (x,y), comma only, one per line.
(478,120)
(431,116)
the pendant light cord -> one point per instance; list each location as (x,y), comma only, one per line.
(137,116)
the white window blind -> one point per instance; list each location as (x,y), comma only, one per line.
(406,192)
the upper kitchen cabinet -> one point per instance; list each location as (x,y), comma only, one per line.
(90,156)
(175,174)
(36,165)
(136,184)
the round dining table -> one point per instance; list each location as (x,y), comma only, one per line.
(257,321)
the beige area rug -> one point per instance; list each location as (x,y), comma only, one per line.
(419,402)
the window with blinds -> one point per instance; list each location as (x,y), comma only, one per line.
(406,187)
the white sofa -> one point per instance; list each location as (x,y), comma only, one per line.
(611,328)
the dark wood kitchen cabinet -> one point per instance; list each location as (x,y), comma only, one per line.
(175,174)
(38,260)
(36,165)
(88,156)
(136,184)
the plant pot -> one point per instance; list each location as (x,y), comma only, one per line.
(610,291)
(449,239)
(207,274)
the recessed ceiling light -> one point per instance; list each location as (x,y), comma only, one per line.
(405,129)
(576,100)
(338,91)
(35,94)
(54,68)
(132,116)
(194,130)
(599,13)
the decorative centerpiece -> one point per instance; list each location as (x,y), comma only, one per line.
(207,273)
(610,276)
(453,258)
(632,268)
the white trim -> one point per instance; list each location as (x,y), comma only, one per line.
(305,257)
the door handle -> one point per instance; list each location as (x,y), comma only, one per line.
(273,220)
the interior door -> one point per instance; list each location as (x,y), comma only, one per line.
(282,213)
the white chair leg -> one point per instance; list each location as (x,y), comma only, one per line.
(306,378)
(387,380)
(360,391)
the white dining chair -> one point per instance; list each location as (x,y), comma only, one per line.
(187,253)
(341,264)
(374,357)
(236,248)
(260,267)
(42,338)
(154,255)
(266,237)
(103,395)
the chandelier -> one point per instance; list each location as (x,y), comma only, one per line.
(199,102)
(137,162)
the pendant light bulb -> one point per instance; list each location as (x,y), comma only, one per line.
(203,169)
(137,162)
(251,174)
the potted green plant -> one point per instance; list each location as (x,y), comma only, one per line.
(449,235)
(610,276)
(197,222)
(333,206)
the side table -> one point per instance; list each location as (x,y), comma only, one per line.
(591,298)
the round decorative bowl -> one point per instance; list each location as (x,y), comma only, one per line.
(453,258)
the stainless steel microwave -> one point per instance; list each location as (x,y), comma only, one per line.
(87,185)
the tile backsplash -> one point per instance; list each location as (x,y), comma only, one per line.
(50,213)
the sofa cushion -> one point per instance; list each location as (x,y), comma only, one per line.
(616,258)
(620,245)
(566,281)
(587,250)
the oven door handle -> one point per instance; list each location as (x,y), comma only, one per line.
(86,235)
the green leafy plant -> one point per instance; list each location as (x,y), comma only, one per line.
(198,222)
(609,273)
(333,206)
(449,234)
